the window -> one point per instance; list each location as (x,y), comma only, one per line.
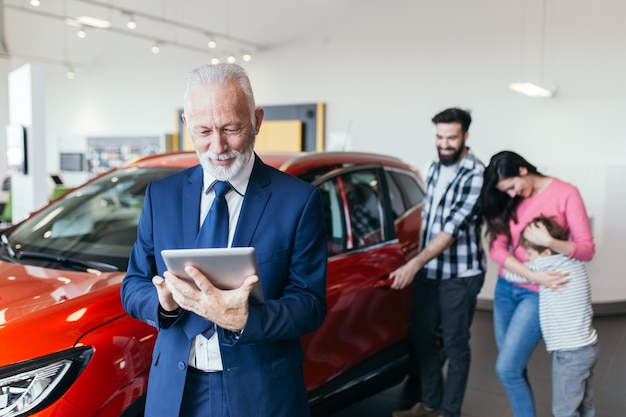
(96,222)
(404,192)
(333,216)
(365,208)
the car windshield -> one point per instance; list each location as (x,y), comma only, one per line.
(94,225)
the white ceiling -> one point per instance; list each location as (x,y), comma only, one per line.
(39,33)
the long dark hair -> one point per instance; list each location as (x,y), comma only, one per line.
(498,208)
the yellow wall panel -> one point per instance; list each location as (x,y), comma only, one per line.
(280,136)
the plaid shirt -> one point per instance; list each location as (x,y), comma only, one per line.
(457,214)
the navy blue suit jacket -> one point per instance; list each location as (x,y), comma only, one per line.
(282,217)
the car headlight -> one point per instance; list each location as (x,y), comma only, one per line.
(29,386)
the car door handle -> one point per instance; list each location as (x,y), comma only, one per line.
(383,282)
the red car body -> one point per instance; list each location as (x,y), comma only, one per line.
(66,340)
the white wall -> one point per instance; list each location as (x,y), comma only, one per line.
(384,76)
(387,68)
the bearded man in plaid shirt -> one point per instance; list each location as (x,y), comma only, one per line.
(447,273)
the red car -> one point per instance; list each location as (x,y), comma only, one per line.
(67,348)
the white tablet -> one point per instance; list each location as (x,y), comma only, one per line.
(225,267)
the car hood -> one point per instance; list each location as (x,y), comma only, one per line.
(43,311)
(25,289)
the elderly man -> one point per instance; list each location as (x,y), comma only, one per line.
(217,353)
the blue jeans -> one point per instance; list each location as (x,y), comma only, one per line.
(572,382)
(448,305)
(516,325)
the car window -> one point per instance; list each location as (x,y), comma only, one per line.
(362,190)
(333,217)
(96,222)
(404,192)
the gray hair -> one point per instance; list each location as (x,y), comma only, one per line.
(220,75)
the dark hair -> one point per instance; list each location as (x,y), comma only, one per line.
(454,115)
(555,230)
(498,208)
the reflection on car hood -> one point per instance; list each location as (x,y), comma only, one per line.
(25,289)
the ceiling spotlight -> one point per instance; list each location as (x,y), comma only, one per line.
(131,22)
(247,57)
(215,61)
(35,3)
(231,59)
(212,44)
(155,48)
(70,74)
(81,33)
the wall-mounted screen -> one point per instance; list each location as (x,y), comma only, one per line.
(72,161)
(17,158)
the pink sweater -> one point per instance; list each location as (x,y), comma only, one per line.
(559,200)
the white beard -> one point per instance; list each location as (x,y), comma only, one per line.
(224,173)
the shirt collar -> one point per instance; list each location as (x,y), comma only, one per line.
(239,182)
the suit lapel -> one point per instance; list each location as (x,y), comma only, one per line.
(254,204)
(192,192)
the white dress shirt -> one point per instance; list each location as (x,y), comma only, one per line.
(205,353)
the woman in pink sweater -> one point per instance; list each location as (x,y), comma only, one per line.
(514,193)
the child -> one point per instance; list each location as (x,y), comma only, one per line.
(565,316)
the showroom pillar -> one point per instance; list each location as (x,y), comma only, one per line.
(29,181)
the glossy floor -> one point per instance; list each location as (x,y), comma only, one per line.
(485,396)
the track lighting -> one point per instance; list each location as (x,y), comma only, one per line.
(123,16)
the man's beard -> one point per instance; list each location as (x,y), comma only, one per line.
(452,158)
(224,173)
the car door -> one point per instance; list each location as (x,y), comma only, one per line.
(362,318)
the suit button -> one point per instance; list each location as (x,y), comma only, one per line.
(181,366)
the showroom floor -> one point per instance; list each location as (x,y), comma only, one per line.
(485,396)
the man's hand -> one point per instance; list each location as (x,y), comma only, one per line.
(404,276)
(165,295)
(226,308)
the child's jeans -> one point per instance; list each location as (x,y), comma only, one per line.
(572,381)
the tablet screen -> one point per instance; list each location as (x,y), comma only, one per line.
(226,268)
